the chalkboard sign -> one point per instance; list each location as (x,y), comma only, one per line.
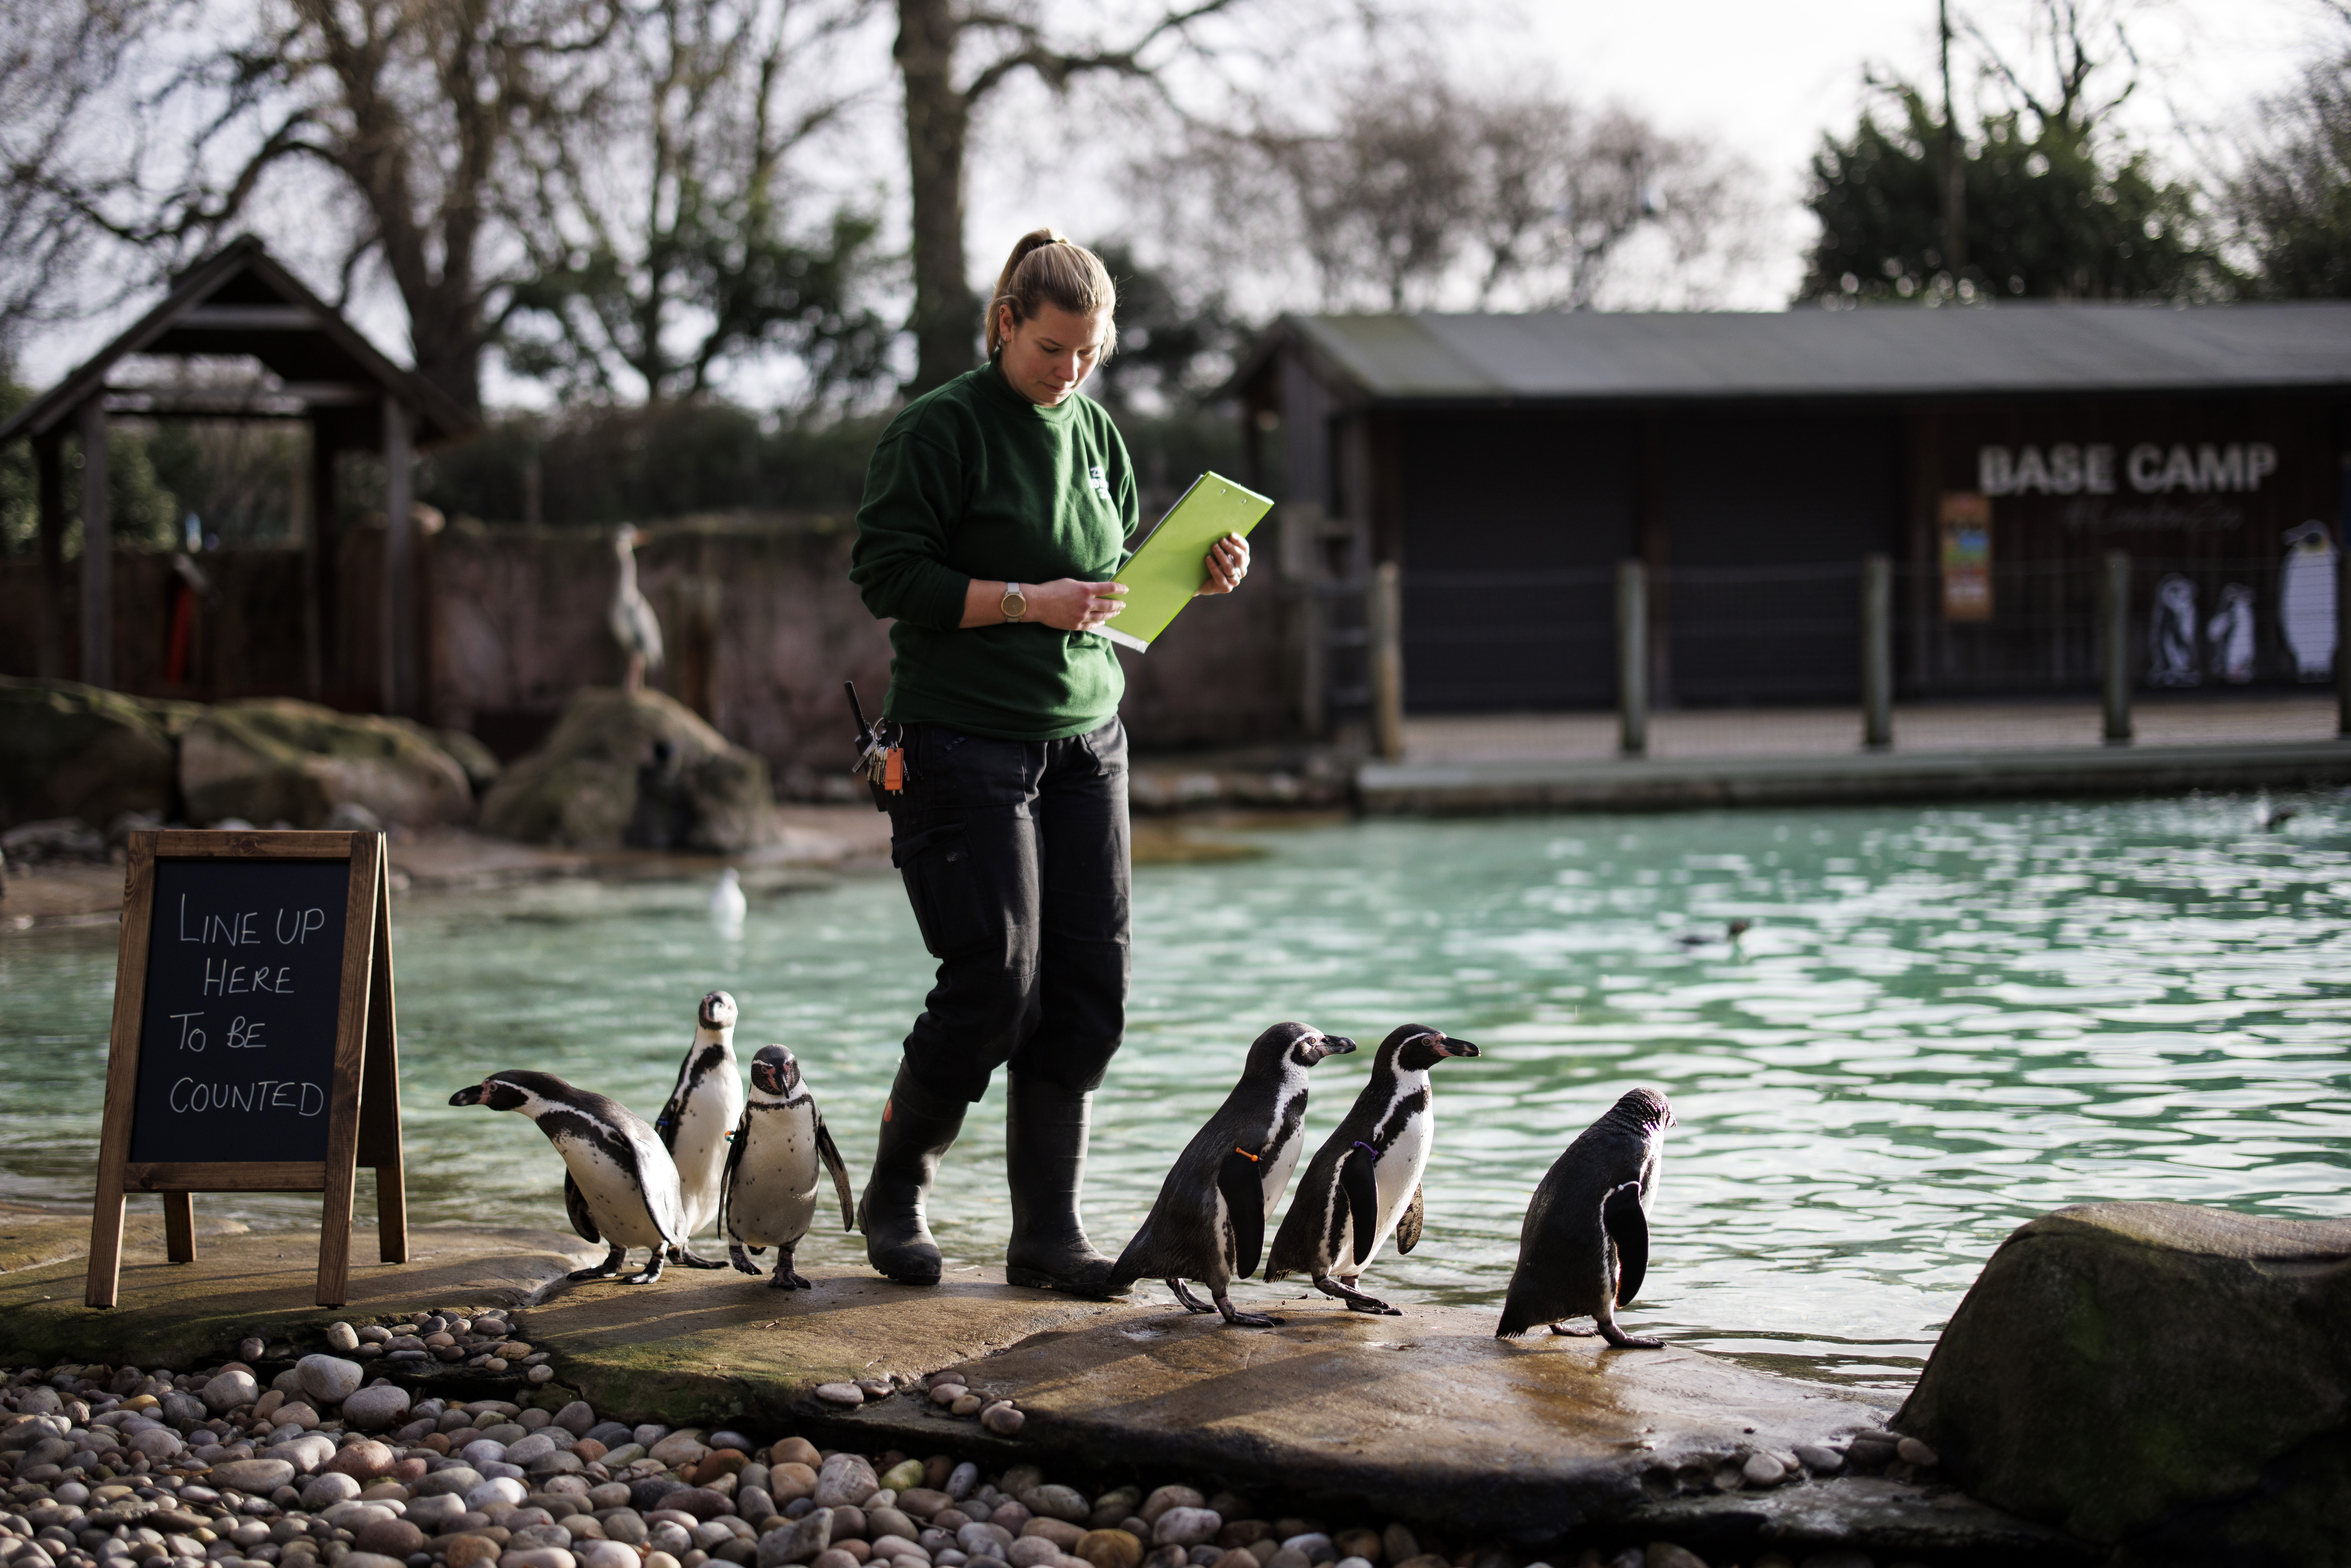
(254,1047)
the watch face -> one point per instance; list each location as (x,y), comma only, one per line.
(1016,605)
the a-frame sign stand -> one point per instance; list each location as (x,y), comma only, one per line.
(358,1078)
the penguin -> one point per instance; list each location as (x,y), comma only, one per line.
(770,1192)
(1731,932)
(2307,580)
(1364,1184)
(620,1185)
(1209,1222)
(700,1116)
(1584,1245)
(729,908)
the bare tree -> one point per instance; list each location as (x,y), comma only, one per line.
(55,62)
(1414,192)
(2289,201)
(944,89)
(665,241)
(410,105)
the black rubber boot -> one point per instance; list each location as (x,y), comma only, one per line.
(1045,1128)
(917,1127)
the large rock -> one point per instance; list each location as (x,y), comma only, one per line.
(277,760)
(71,751)
(2121,1365)
(639,768)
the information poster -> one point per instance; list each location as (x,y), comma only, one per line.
(1966,519)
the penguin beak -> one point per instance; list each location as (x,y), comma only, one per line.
(1336,1045)
(1452,1047)
(469,1095)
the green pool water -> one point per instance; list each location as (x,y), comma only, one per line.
(1942,1022)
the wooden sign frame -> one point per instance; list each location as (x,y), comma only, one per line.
(363,1096)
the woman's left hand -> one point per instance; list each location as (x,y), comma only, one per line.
(1228,563)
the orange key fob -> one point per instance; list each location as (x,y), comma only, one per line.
(893,770)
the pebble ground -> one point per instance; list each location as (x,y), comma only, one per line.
(328,1467)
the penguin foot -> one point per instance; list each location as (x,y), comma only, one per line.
(1242,1319)
(1620,1340)
(1190,1302)
(742,1264)
(683,1256)
(613,1264)
(1566,1333)
(788,1279)
(648,1274)
(1356,1301)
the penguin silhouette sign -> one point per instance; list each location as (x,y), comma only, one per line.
(253,1047)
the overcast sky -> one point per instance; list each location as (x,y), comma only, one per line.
(1764,80)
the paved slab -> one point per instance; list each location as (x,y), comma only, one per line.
(181,1314)
(705,1346)
(1427,1414)
(1637,784)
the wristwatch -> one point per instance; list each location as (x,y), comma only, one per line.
(1015,603)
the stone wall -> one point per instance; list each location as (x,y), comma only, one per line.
(761,623)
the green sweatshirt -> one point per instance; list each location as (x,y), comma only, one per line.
(974,480)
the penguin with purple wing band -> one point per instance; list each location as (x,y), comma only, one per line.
(1363,1185)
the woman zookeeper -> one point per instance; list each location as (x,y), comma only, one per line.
(997,510)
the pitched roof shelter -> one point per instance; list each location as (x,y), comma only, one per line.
(316,367)
(1502,470)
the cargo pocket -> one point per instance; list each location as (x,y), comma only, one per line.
(951,902)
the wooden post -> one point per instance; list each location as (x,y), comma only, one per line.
(2113,644)
(326,562)
(49,463)
(1878,652)
(1631,658)
(2343,636)
(1384,609)
(97,549)
(398,640)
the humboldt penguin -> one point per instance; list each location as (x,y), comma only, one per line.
(620,1185)
(701,1115)
(1584,1245)
(1364,1184)
(1209,1222)
(770,1193)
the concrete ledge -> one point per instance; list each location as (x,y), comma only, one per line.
(1393,788)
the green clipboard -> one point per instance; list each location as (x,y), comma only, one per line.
(1170,565)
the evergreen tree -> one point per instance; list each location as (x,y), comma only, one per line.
(2049,214)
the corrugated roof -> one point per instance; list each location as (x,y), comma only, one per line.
(2022,348)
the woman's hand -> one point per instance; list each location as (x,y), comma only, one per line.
(1065,604)
(1068,605)
(1228,563)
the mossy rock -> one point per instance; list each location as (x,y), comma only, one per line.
(601,781)
(277,760)
(2121,1367)
(71,751)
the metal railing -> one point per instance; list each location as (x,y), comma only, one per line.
(1868,632)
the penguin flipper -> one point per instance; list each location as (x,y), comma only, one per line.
(737,1142)
(829,1153)
(1359,1179)
(1244,1193)
(575,1204)
(1628,1228)
(1408,1224)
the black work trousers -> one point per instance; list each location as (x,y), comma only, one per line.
(1015,858)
